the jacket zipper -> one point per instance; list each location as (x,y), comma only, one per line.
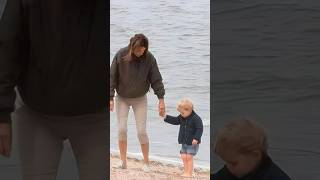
(185,131)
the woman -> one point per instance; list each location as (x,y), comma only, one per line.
(50,51)
(134,69)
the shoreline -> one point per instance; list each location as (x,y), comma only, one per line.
(163,161)
(159,170)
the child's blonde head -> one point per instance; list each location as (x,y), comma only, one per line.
(243,135)
(185,102)
(242,144)
(185,107)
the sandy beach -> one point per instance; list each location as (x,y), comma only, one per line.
(174,42)
(159,171)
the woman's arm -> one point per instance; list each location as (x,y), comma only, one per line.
(11,66)
(155,78)
(11,60)
(172,120)
(114,74)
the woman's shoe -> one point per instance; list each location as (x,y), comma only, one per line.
(146,168)
(121,165)
(186,176)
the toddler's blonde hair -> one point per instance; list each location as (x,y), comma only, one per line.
(185,101)
(243,135)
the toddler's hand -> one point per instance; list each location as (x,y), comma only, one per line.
(163,117)
(194,142)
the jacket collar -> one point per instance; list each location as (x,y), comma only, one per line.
(259,172)
(256,174)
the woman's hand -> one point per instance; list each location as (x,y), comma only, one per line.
(111,105)
(162,108)
(5,139)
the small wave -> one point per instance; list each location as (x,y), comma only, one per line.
(161,160)
(206,123)
(264,6)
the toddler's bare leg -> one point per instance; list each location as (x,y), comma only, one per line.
(184,160)
(189,164)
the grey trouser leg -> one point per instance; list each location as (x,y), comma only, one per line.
(139,107)
(41,137)
(122,110)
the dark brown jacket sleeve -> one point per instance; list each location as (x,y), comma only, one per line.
(114,74)
(10,56)
(155,79)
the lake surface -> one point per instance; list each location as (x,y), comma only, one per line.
(266,59)
(179,36)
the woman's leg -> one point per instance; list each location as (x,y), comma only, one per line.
(40,149)
(145,152)
(87,136)
(122,109)
(139,106)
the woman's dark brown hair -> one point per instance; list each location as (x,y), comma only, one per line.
(138,40)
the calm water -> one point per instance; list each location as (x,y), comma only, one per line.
(2,5)
(179,37)
(265,66)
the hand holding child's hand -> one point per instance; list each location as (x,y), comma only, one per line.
(161,108)
(163,117)
(194,142)
(111,105)
(5,139)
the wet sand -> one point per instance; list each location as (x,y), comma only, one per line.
(159,171)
